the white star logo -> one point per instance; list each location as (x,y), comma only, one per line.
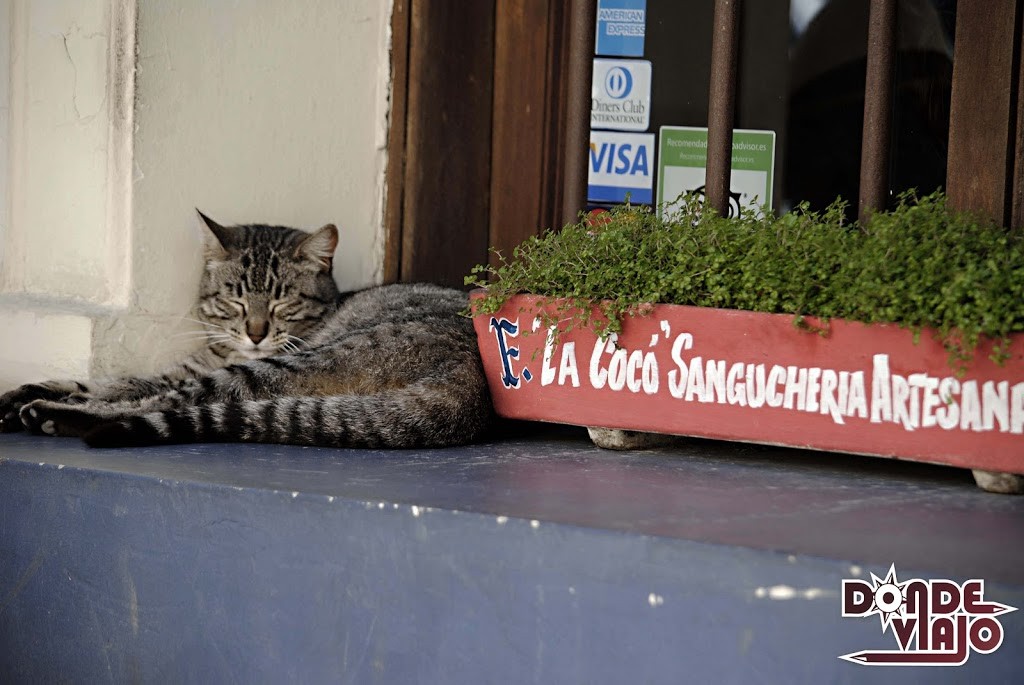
(890,597)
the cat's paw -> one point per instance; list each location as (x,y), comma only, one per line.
(10,422)
(11,403)
(46,417)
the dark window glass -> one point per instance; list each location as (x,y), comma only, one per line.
(801,73)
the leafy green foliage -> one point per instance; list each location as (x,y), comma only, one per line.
(921,265)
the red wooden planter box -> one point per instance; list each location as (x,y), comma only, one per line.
(736,375)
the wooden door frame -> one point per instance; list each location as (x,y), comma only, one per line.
(985,171)
(439,145)
(478,142)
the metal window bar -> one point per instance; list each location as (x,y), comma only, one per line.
(722,103)
(874,155)
(579,73)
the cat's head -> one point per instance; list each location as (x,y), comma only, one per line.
(265,288)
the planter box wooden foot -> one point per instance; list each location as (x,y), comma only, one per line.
(735,375)
(615,439)
(996,481)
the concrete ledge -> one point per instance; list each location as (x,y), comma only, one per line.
(524,560)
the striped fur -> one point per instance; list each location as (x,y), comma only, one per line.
(288,360)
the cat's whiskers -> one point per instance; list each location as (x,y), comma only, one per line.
(293,344)
(200,334)
(209,341)
(204,323)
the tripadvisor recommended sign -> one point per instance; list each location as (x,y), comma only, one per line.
(682,166)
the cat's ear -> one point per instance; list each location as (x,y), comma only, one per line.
(319,247)
(216,239)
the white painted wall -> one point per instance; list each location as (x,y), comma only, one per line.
(124,115)
(5,120)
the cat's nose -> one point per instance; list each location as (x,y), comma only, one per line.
(257,330)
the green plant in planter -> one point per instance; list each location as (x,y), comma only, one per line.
(920,265)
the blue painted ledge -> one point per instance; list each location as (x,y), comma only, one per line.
(540,559)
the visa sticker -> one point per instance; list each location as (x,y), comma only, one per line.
(620,164)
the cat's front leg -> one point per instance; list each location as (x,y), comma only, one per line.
(177,381)
(47,417)
(12,402)
(73,418)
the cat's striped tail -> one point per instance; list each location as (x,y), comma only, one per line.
(403,418)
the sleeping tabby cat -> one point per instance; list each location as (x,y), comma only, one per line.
(288,360)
